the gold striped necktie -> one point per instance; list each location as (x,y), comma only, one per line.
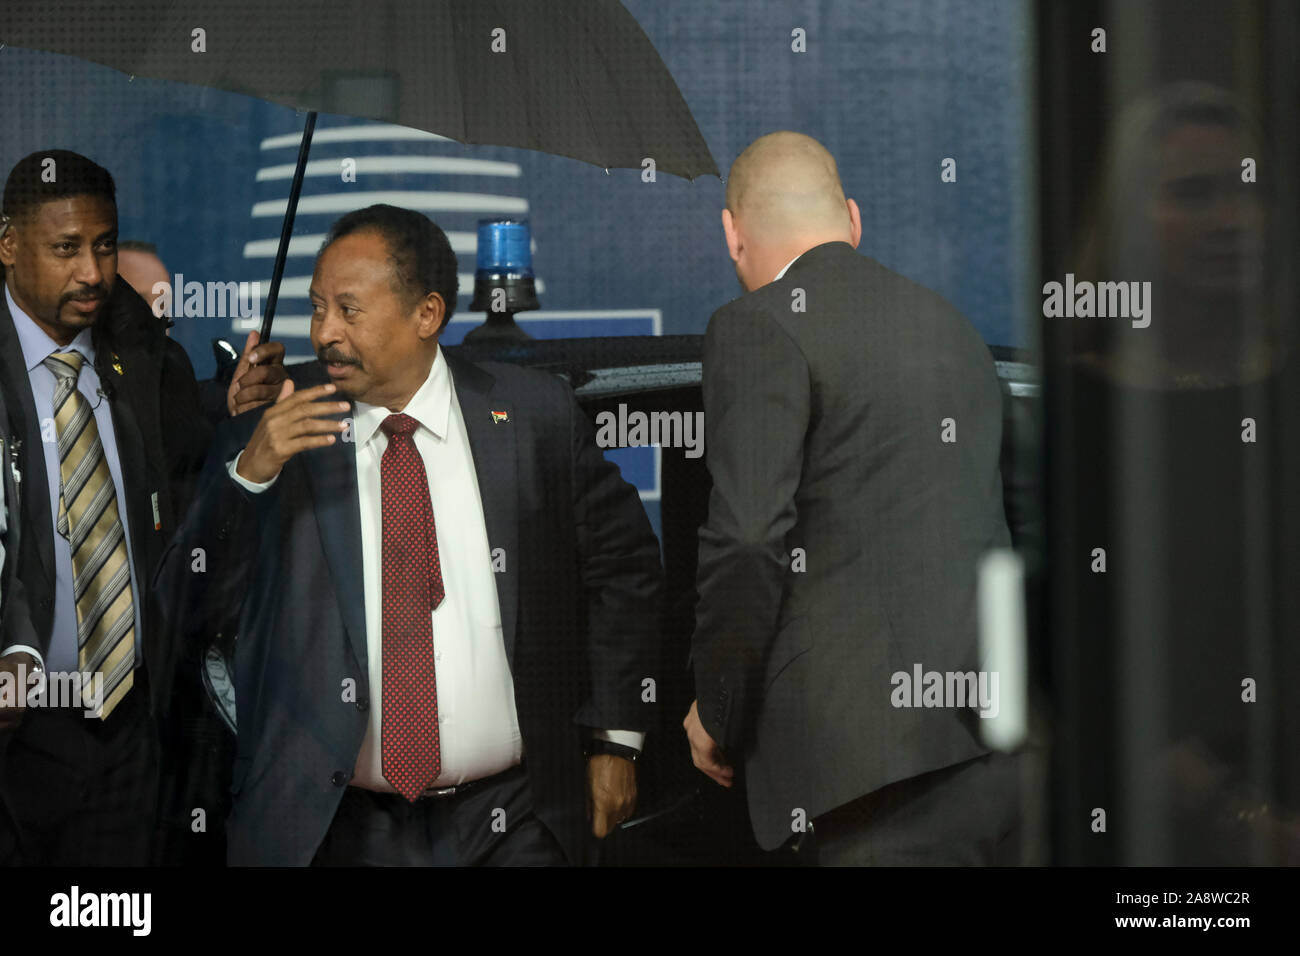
(88,518)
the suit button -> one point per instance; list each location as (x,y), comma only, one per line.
(363,705)
(46,603)
(223,532)
(339,779)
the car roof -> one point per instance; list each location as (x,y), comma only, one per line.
(604,366)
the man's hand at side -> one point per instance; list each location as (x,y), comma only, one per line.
(612,787)
(258,375)
(295,423)
(705,752)
(11,711)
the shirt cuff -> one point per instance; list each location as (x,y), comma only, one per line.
(24,649)
(253,486)
(628,738)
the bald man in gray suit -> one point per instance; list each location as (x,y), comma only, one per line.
(854,426)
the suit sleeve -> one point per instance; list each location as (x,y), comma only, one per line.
(16,630)
(622,579)
(203,574)
(188,430)
(757,399)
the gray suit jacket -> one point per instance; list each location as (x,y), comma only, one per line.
(843,531)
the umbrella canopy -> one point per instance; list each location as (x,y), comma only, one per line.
(577,78)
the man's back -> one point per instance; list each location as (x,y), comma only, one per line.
(891,490)
(888,442)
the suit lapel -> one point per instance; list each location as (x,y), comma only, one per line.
(492,444)
(134,417)
(36,502)
(332,475)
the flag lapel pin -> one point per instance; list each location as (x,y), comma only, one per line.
(500,417)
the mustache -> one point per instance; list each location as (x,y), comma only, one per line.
(334,357)
(85,295)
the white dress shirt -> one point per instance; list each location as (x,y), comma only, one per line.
(478,726)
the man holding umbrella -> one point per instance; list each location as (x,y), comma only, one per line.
(443,600)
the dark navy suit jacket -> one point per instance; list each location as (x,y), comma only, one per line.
(579,600)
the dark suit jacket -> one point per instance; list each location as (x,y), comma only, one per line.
(824,434)
(15,618)
(578,598)
(162,437)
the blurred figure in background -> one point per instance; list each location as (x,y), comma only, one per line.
(254,380)
(1192,745)
(139,265)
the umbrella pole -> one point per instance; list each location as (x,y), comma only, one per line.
(286,229)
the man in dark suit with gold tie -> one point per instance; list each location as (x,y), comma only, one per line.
(105,461)
(106,412)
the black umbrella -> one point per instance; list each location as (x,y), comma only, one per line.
(576,78)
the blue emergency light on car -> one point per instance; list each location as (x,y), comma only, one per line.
(504,248)
(503,278)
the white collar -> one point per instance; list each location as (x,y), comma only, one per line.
(786,266)
(429,406)
(36,342)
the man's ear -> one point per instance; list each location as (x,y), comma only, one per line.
(432,311)
(732,234)
(855,224)
(8,242)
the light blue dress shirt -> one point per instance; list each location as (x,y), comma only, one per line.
(36,346)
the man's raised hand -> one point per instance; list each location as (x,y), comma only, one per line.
(296,422)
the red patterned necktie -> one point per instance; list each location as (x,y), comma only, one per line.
(412,588)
